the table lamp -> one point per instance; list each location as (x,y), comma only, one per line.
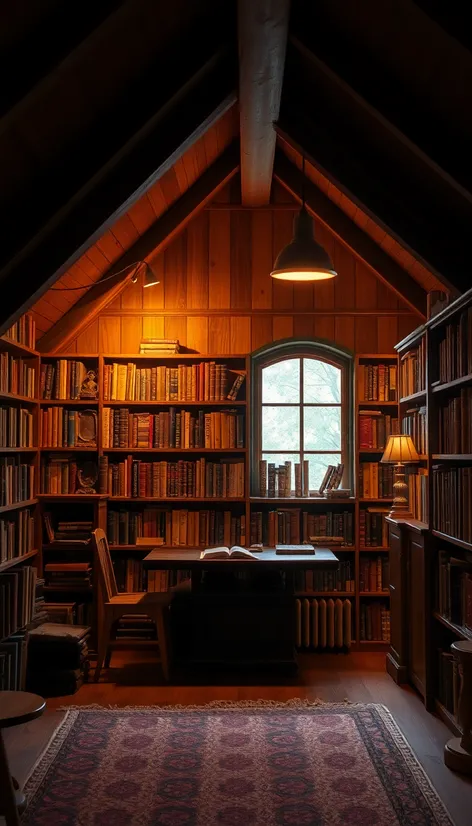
(399,450)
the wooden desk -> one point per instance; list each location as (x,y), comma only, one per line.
(236,611)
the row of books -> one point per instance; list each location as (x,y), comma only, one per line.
(377,382)
(23,331)
(172,429)
(13,662)
(65,576)
(17,376)
(59,475)
(374,429)
(16,480)
(206,381)
(69,613)
(374,621)
(321,623)
(177,527)
(373,573)
(455,350)
(375,480)
(60,427)
(414,425)
(16,427)
(162,480)
(413,370)
(131,576)
(17,535)
(455,424)
(448,681)
(277,481)
(417,480)
(62,379)
(452,495)
(342,579)
(373,527)
(291,526)
(454,588)
(17,598)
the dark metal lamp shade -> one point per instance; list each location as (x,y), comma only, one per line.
(303,259)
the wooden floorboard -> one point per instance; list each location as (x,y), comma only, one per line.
(356,677)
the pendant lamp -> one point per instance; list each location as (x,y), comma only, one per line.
(303,259)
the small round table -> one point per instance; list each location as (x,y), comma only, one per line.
(15,707)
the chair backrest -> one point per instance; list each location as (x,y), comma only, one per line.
(106,572)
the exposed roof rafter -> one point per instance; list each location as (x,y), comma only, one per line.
(155,240)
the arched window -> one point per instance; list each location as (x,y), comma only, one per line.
(302,409)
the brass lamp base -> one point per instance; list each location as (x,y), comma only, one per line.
(400,509)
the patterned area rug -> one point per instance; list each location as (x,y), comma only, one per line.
(291,764)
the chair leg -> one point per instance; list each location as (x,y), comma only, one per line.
(103,643)
(163,640)
(110,647)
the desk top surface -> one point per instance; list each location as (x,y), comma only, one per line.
(190,557)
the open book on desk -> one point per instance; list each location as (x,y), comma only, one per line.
(235,552)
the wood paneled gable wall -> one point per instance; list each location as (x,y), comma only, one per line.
(216,295)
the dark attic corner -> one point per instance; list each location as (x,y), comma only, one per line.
(235,407)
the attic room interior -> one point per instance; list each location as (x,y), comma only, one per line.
(235,413)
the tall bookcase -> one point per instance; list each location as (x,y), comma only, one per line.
(19,510)
(436,578)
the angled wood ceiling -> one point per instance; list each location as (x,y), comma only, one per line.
(108,128)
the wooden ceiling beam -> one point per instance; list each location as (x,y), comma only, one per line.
(394,276)
(262,35)
(154,240)
(207,95)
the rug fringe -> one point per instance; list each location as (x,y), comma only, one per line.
(227,705)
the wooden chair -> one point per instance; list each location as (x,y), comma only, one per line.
(116,605)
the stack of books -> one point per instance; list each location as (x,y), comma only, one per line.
(159,346)
(57,659)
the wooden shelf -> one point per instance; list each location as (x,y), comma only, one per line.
(16,560)
(19,449)
(69,449)
(16,348)
(175,356)
(461,632)
(374,593)
(448,385)
(59,402)
(69,497)
(390,499)
(376,404)
(467,546)
(170,499)
(371,450)
(329,594)
(374,549)
(420,394)
(13,397)
(452,457)
(185,450)
(304,500)
(28,503)
(127,403)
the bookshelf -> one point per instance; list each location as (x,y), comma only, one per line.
(435,582)
(20,548)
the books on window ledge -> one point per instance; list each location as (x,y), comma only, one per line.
(236,552)
(332,479)
(277,481)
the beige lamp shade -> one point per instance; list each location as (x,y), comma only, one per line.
(400,449)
